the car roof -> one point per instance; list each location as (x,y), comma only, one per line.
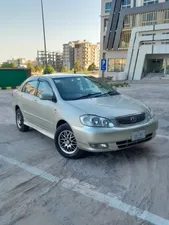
(60,75)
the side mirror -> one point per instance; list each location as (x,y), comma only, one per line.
(46,97)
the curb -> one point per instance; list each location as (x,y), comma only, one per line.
(9,88)
(120,85)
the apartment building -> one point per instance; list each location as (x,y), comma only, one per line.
(95,54)
(20,62)
(134,37)
(86,53)
(59,60)
(53,58)
(68,55)
(83,51)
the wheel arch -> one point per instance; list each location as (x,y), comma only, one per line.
(16,107)
(61,122)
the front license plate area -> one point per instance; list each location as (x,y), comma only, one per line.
(138,135)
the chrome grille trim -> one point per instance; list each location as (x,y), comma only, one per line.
(131,119)
(130,143)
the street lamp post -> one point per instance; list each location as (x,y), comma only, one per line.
(44,36)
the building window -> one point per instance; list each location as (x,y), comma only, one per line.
(108,6)
(126,3)
(149,18)
(147,2)
(134,3)
(116,65)
(125,39)
(105,24)
(166,16)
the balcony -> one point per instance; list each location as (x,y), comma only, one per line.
(140,20)
(146,19)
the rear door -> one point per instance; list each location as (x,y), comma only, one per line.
(45,109)
(28,101)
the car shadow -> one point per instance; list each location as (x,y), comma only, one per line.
(142,150)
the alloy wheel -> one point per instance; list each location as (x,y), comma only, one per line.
(67,142)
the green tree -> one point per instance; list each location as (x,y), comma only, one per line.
(30,66)
(92,67)
(85,71)
(8,65)
(77,66)
(49,70)
(38,68)
(64,69)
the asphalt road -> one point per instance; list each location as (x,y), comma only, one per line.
(39,187)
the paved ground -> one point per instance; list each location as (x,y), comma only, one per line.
(39,187)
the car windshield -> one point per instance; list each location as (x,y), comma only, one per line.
(82,87)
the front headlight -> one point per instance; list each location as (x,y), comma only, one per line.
(150,114)
(96,121)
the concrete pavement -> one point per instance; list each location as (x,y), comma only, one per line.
(38,186)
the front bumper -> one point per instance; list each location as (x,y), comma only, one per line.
(116,138)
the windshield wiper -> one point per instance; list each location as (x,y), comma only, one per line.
(88,96)
(110,93)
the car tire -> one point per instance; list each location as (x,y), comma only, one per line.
(20,121)
(66,144)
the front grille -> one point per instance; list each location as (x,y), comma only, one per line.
(132,119)
(130,143)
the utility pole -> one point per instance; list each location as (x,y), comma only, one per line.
(44,36)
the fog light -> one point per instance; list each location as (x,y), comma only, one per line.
(99,146)
(104,145)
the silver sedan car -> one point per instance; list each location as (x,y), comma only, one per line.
(82,114)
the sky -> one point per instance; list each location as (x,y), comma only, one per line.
(66,20)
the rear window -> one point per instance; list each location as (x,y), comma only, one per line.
(30,87)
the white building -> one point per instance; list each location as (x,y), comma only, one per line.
(134,37)
(68,55)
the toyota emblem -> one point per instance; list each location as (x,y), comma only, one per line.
(133,119)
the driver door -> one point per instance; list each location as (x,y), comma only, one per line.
(45,109)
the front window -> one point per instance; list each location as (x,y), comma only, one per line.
(74,88)
(116,65)
(44,88)
(108,7)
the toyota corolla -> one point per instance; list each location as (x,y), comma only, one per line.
(81,114)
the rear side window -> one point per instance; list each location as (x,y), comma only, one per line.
(30,87)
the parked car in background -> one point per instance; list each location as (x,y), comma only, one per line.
(82,114)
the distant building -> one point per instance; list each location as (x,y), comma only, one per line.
(95,54)
(20,62)
(59,60)
(53,58)
(87,53)
(83,51)
(68,55)
(33,62)
(134,37)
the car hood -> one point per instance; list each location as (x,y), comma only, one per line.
(110,107)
